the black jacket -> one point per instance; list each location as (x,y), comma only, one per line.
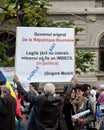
(3,114)
(68,111)
(7,113)
(46,110)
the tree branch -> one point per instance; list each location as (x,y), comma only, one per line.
(4,8)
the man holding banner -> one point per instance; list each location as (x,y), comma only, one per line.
(47,55)
(47,108)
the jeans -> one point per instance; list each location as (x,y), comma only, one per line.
(19,124)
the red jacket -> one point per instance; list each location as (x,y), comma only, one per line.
(18,108)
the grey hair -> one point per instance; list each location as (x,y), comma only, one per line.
(5,88)
(49,88)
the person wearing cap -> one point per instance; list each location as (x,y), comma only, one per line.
(47,108)
(9,103)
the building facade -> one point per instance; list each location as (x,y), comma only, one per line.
(88,14)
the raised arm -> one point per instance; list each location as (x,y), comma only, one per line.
(21,90)
(71,85)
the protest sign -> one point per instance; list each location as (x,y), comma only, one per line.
(45,54)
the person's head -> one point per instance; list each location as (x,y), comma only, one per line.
(101,87)
(79,91)
(96,88)
(5,90)
(86,89)
(93,93)
(33,85)
(49,88)
(72,95)
(16,92)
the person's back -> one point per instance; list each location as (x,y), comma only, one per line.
(45,112)
(3,114)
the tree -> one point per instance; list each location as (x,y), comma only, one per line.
(35,13)
(4,59)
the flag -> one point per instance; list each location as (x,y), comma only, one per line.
(3,78)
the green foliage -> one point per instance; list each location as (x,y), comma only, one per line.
(4,59)
(34,13)
(24,12)
(84,59)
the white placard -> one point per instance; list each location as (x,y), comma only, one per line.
(45,54)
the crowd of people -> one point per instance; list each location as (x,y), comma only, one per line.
(48,111)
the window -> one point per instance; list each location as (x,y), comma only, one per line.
(101,54)
(103,4)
